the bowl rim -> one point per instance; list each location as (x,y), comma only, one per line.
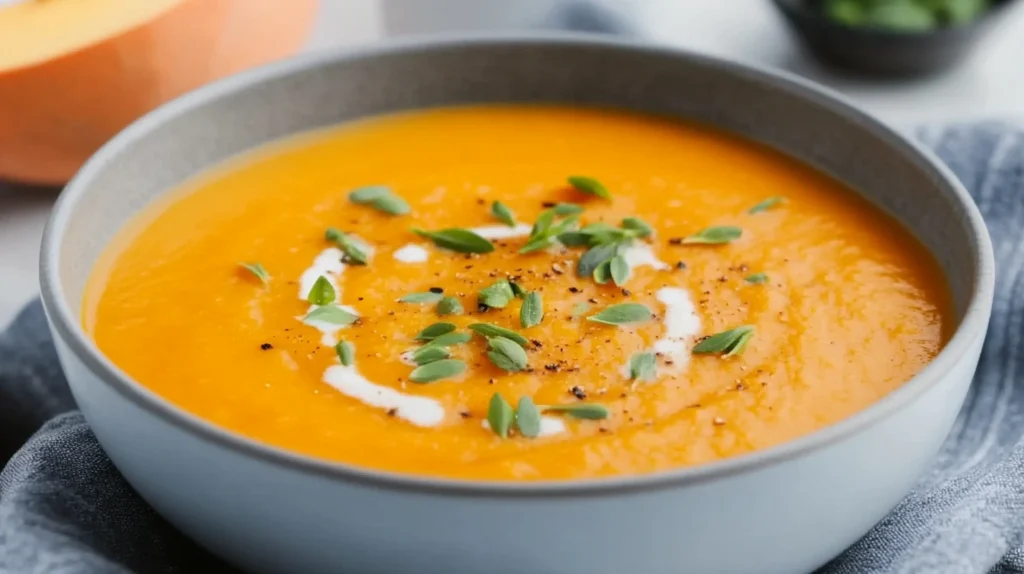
(66,325)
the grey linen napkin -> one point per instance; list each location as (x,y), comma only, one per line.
(65,509)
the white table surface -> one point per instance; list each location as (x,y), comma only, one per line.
(990,84)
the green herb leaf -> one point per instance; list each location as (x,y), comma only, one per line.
(437,370)
(619,270)
(528,418)
(455,239)
(498,295)
(391,204)
(429,354)
(604,260)
(353,252)
(434,331)
(381,198)
(449,306)
(532,311)
(322,292)
(258,271)
(543,223)
(346,352)
(368,194)
(638,226)
(588,411)
(488,330)
(500,415)
(593,258)
(331,314)
(545,231)
(960,11)
(643,367)
(622,314)
(536,244)
(574,239)
(449,340)
(590,186)
(849,12)
(603,273)
(502,213)
(599,227)
(604,234)
(564,225)
(756,278)
(580,308)
(425,297)
(729,342)
(517,289)
(506,354)
(900,16)
(715,235)
(767,204)
(564,209)
(540,236)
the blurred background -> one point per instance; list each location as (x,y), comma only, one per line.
(909,62)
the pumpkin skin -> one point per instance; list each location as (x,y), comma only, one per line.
(55,113)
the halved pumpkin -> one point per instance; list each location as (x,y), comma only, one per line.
(75,72)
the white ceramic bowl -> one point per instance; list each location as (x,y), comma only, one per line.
(785,509)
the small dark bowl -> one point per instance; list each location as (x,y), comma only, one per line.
(885,52)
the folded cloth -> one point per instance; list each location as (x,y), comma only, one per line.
(65,509)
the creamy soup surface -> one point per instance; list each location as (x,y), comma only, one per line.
(689,296)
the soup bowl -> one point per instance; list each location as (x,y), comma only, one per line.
(788,509)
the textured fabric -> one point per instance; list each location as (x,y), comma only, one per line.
(65,509)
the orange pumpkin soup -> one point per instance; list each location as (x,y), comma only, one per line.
(509,292)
